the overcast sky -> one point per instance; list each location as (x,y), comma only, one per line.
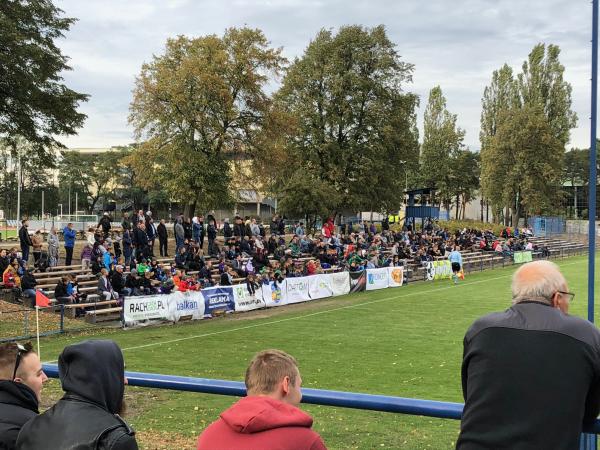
(456,44)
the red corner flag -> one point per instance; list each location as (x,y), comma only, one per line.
(41,300)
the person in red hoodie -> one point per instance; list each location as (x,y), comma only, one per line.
(269,417)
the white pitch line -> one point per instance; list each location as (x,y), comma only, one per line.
(357,305)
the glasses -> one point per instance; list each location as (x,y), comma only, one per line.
(21,350)
(571,295)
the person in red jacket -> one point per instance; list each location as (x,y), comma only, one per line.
(269,417)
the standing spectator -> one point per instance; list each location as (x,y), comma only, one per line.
(227,231)
(187,229)
(202,230)
(36,243)
(105,224)
(69,238)
(105,288)
(300,229)
(53,243)
(141,241)
(86,256)
(239,230)
(274,225)
(92,374)
(127,242)
(211,231)
(163,238)
(126,223)
(195,229)
(281,226)
(269,417)
(139,218)
(25,240)
(530,374)
(179,235)
(21,380)
(254,228)
(151,232)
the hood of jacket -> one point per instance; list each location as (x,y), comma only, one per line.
(18,394)
(95,371)
(256,413)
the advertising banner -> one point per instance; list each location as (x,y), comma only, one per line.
(218,299)
(274,294)
(377,279)
(244,301)
(339,283)
(145,308)
(297,289)
(319,286)
(523,257)
(358,281)
(395,276)
(438,270)
(182,304)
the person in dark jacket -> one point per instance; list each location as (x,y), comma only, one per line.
(105,225)
(21,380)
(187,229)
(227,230)
(163,238)
(141,241)
(92,374)
(25,240)
(211,232)
(239,229)
(269,417)
(28,284)
(530,374)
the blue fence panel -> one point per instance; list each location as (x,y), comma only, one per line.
(418,407)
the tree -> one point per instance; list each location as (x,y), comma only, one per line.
(442,144)
(541,92)
(466,169)
(34,103)
(347,124)
(529,158)
(197,107)
(92,176)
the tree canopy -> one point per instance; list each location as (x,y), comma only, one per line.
(346,123)
(35,104)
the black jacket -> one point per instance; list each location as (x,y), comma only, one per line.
(118,281)
(28,281)
(531,379)
(161,230)
(18,405)
(211,231)
(92,375)
(24,237)
(227,231)
(60,290)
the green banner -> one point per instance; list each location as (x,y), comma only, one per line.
(523,257)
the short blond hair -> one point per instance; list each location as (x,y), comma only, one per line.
(267,369)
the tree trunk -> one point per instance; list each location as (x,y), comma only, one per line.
(457,206)
(506,215)
(189,209)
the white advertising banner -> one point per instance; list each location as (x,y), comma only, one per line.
(145,308)
(395,276)
(377,279)
(184,304)
(339,283)
(274,294)
(297,289)
(244,301)
(319,286)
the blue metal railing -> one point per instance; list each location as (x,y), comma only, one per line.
(385,403)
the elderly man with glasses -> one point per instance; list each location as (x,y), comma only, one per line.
(530,374)
(21,380)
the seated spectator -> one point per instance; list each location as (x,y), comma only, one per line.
(60,291)
(28,284)
(92,374)
(146,284)
(269,417)
(132,282)
(105,288)
(532,369)
(21,380)
(117,280)
(10,277)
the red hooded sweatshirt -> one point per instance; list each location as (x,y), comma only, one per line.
(261,423)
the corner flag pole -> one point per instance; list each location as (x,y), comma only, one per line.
(593,174)
(37,330)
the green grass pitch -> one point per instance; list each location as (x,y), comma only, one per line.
(403,342)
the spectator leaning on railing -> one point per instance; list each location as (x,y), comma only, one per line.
(269,417)
(530,374)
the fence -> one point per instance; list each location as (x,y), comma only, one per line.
(412,406)
(547,226)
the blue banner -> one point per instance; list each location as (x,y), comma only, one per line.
(218,299)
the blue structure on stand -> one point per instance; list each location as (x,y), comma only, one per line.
(424,210)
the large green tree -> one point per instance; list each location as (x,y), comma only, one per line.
(198,106)
(442,145)
(34,102)
(346,122)
(538,95)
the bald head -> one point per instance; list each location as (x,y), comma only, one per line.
(538,280)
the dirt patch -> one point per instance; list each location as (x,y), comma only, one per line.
(161,440)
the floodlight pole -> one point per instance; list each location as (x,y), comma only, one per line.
(593,172)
